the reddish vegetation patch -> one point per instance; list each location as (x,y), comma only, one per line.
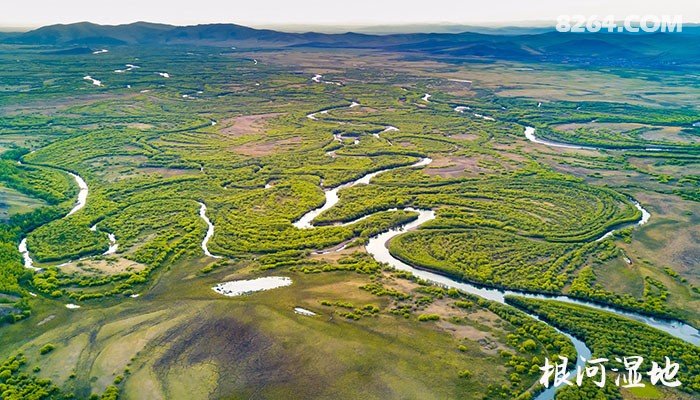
(446,309)
(361,110)
(465,136)
(246,124)
(109,266)
(267,148)
(448,167)
(456,87)
(167,172)
(139,125)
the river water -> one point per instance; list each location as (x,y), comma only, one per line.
(377,247)
(210,230)
(82,194)
(79,204)
(332,195)
(530,135)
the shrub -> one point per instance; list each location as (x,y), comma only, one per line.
(428,317)
(47,348)
(465,373)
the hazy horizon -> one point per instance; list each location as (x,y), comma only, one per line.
(315,13)
(321,27)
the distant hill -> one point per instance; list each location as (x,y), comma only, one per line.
(86,33)
(416,28)
(529,44)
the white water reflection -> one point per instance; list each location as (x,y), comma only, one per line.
(304,312)
(82,194)
(247,286)
(28,262)
(93,80)
(210,230)
(484,117)
(129,67)
(113,245)
(530,135)
(312,116)
(387,129)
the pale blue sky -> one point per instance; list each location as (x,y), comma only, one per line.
(31,13)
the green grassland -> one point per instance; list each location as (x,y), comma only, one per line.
(370,331)
(13,202)
(235,135)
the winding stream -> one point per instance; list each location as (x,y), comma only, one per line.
(80,203)
(82,194)
(389,128)
(312,116)
(645,218)
(332,195)
(318,78)
(28,262)
(93,80)
(530,135)
(377,247)
(210,230)
(113,245)
(463,109)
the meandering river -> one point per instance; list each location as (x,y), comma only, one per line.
(530,135)
(210,230)
(378,248)
(332,195)
(82,194)
(80,203)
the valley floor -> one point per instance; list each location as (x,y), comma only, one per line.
(201,167)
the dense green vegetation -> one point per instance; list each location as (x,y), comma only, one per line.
(610,336)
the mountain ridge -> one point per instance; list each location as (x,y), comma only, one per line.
(653,49)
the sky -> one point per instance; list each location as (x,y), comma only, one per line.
(34,13)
